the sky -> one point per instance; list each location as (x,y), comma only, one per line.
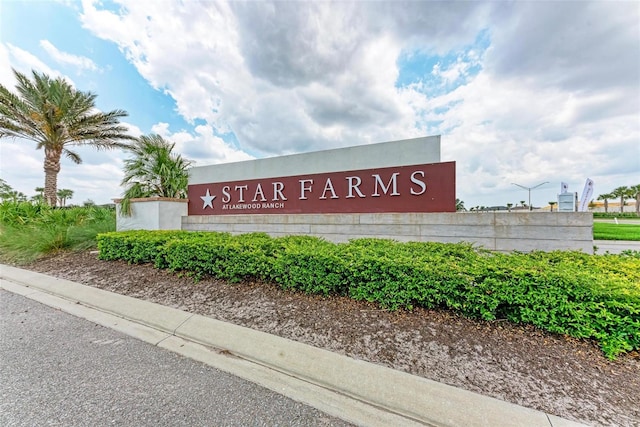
(521,92)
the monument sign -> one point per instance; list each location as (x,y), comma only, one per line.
(398,190)
(393,177)
(416,188)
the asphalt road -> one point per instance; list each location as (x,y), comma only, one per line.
(59,370)
(615,246)
(620,221)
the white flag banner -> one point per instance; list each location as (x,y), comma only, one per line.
(564,188)
(586,195)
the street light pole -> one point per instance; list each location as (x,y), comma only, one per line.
(529,190)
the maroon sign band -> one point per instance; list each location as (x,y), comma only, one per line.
(419,188)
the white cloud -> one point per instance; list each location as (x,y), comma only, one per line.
(555,98)
(21,166)
(507,131)
(99,183)
(576,46)
(80,62)
(97,178)
(6,75)
(22,61)
(204,147)
(25,62)
(322,84)
(133,129)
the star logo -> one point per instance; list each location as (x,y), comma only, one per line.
(208,200)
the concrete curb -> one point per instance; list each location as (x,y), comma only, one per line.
(360,392)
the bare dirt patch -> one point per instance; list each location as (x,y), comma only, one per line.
(520,364)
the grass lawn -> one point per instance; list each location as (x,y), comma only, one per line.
(608,231)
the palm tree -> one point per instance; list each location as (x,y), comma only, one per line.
(39,197)
(551,204)
(5,189)
(622,192)
(7,193)
(460,205)
(606,198)
(635,192)
(55,115)
(64,194)
(16,196)
(154,171)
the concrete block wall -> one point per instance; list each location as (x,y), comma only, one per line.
(499,231)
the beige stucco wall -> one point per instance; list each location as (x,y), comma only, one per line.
(153,213)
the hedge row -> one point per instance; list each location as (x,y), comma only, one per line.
(584,296)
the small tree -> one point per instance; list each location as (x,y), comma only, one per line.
(551,204)
(5,189)
(622,192)
(154,171)
(635,192)
(605,197)
(64,194)
(509,206)
(16,196)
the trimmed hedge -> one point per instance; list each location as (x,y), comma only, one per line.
(584,296)
(613,214)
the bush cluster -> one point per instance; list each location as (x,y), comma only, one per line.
(29,231)
(584,296)
(612,214)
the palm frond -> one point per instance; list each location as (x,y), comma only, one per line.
(154,170)
(74,157)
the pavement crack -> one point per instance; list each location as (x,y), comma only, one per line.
(183,322)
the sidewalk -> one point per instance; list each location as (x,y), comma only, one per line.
(356,391)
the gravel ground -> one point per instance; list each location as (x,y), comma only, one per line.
(520,364)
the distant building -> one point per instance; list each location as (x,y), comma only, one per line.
(598,206)
(614,205)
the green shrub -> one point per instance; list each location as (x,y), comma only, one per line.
(618,214)
(219,255)
(584,296)
(136,247)
(309,264)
